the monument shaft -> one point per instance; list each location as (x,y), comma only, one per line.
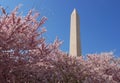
(75,47)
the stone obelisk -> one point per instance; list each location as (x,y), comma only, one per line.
(75,47)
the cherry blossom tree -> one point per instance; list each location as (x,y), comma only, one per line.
(25,57)
(102,68)
(18,41)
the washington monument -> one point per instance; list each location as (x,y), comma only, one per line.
(75,44)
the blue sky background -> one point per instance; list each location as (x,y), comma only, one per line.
(99,21)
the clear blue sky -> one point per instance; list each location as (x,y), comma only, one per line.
(99,19)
